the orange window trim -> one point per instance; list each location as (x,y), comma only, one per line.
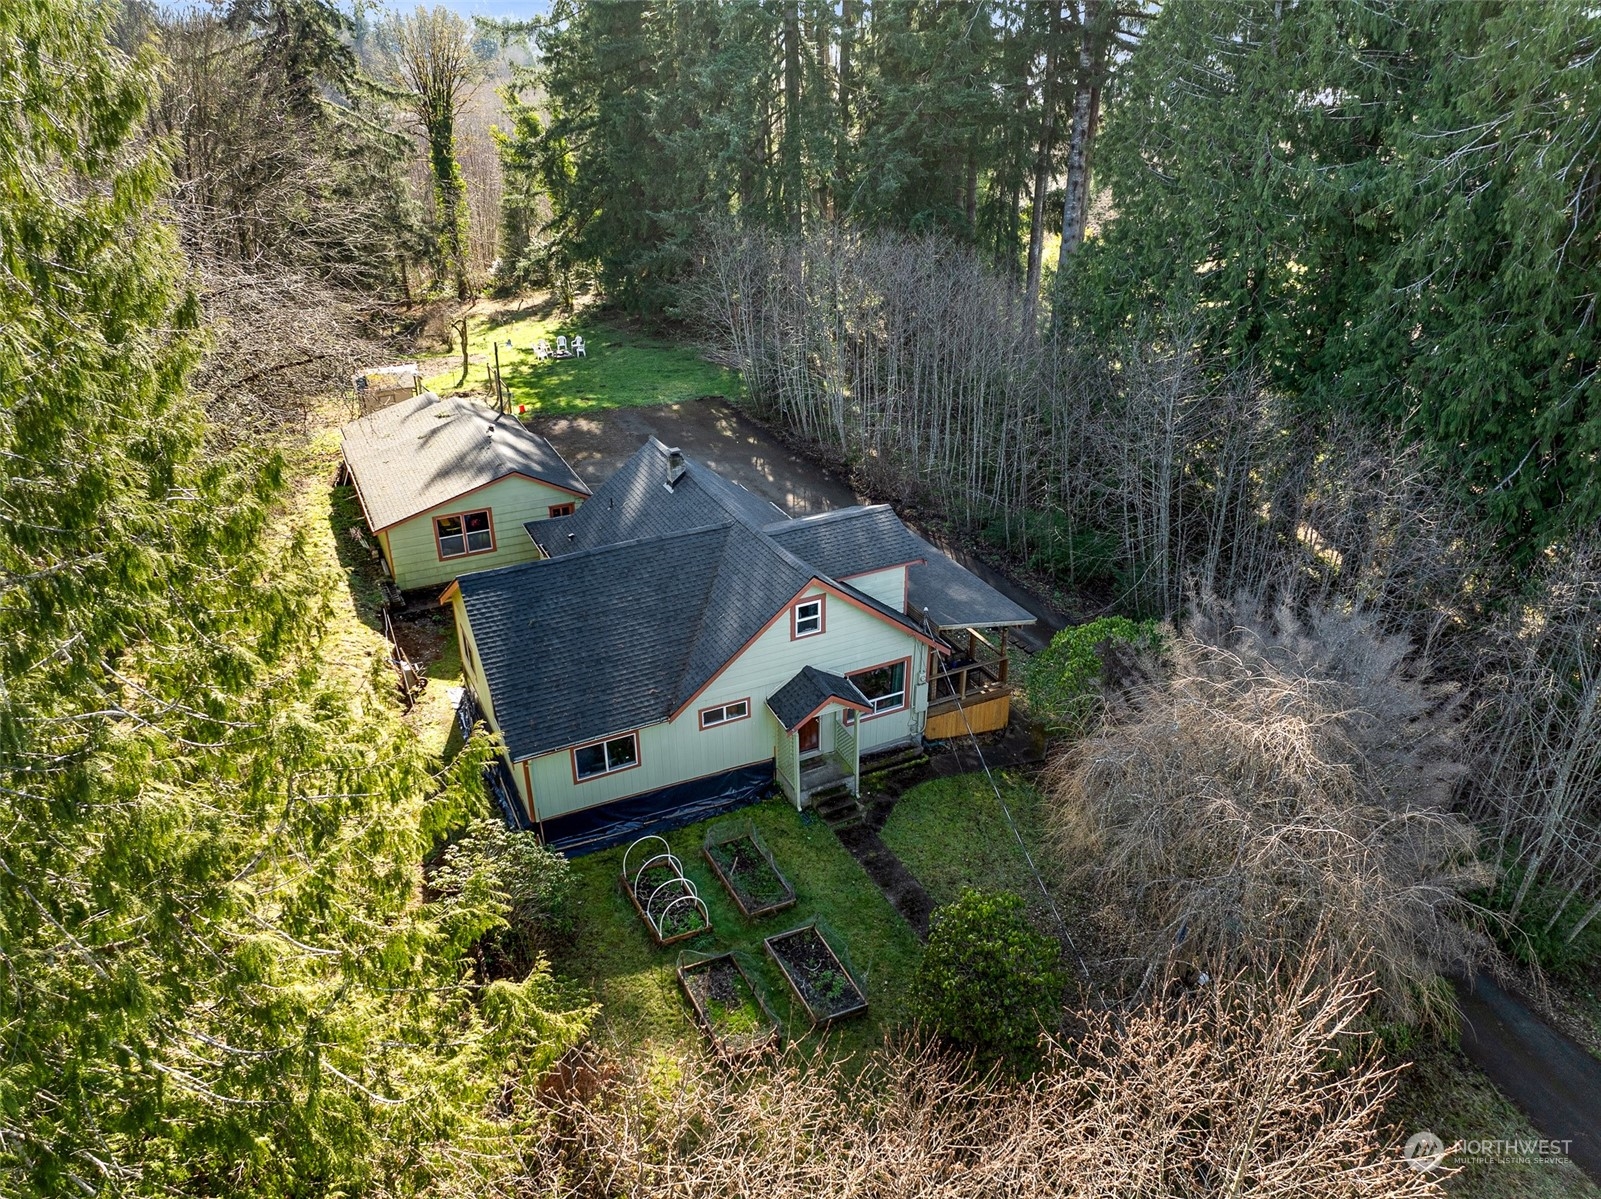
(906,687)
(489,514)
(822,616)
(784,613)
(572,757)
(516,474)
(701,715)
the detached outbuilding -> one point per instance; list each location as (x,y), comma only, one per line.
(447,486)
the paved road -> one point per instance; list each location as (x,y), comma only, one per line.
(740,449)
(1550,1077)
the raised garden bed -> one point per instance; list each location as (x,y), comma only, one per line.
(819,979)
(728,1005)
(747,871)
(666,901)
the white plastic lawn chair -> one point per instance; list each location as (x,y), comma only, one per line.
(541,349)
(561,346)
(578,348)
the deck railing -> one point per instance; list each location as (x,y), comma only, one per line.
(982,667)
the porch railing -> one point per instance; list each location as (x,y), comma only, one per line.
(786,766)
(982,665)
(846,753)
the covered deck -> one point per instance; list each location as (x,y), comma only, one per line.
(969,689)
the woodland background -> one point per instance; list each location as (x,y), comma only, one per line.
(1292,304)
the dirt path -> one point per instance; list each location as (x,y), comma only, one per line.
(738,448)
(1550,1077)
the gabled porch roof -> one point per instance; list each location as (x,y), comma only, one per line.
(809,692)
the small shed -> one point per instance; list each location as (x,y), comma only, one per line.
(377,387)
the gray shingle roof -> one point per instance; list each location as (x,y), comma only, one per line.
(604,640)
(949,596)
(574,648)
(852,541)
(425,451)
(658,588)
(809,690)
(636,502)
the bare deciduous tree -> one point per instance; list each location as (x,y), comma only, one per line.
(1293,778)
(431,56)
(925,368)
(1537,738)
(1254,1087)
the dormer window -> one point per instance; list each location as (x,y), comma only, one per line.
(808,618)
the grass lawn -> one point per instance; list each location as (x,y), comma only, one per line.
(615,959)
(1445,1093)
(356,642)
(952,833)
(624,369)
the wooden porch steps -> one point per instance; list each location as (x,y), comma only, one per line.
(837,807)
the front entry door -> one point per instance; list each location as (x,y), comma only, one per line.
(810,735)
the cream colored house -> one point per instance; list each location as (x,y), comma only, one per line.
(446,487)
(685,645)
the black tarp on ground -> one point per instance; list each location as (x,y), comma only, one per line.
(623,820)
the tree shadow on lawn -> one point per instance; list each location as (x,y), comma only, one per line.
(360,568)
(542,308)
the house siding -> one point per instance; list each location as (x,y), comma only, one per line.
(414,554)
(680,749)
(886,586)
(473,672)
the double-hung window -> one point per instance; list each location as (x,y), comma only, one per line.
(606,757)
(712,717)
(884,686)
(808,618)
(466,533)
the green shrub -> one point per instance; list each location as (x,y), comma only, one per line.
(507,892)
(1063,681)
(987,980)
(1535,937)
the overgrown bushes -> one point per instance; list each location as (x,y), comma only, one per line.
(987,980)
(1254,1087)
(1064,681)
(1293,779)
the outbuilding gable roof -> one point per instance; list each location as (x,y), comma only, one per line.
(425,451)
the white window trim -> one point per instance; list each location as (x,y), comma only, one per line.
(900,697)
(796,618)
(721,712)
(606,754)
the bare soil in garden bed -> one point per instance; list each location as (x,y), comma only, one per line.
(681,921)
(728,1006)
(750,877)
(813,969)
